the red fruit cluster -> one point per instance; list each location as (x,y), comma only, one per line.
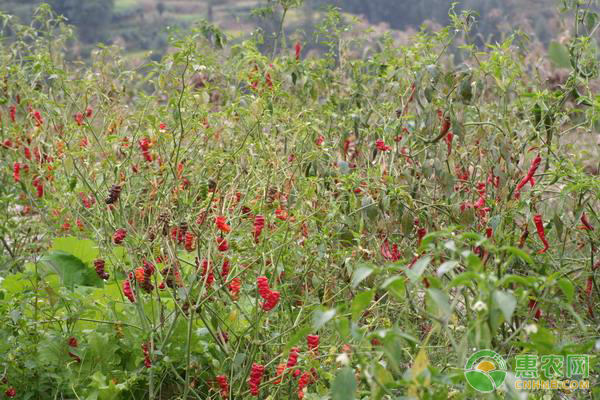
(256,374)
(17,171)
(305,379)
(128,290)
(259,224)
(271,301)
(39,186)
(234,287)
(113,194)
(263,287)
(222,243)
(281,214)
(271,297)
(88,202)
(119,236)
(145,148)
(223,385)
(73,343)
(10,392)
(225,268)
(312,342)
(221,223)
(99,266)
(293,357)
(78,117)
(143,276)
(190,241)
(381,146)
(208,275)
(390,255)
(172,276)
(147,359)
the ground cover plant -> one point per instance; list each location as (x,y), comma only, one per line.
(226,224)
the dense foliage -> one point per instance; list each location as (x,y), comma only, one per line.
(227,224)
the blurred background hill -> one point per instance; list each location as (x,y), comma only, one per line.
(140,25)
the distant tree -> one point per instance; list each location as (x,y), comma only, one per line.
(91,17)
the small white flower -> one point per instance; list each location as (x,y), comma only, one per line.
(479,306)
(531,328)
(343,359)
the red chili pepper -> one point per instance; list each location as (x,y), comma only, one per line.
(298,49)
(586,223)
(449,137)
(539,226)
(529,177)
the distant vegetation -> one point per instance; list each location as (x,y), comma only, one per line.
(140,25)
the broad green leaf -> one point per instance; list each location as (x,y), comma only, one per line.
(417,270)
(446,267)
(466,278)
(395,286)
(518,252)
(360,302)
(71,270)
(83,249)
(567,288)
(320,318)
(559,55)
(506,302)
(344,385)
(360,274)
(441,300)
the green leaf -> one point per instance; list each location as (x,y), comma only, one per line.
(83,249)
(417,270)
(71,270)
(320,318)
(518,253)
(567,288)
(446,267)
(361,301)
(466,278)
(441,300)
(559,55)
(395,286)
(360,274)
(506,302)
(297,337)
(344,385)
